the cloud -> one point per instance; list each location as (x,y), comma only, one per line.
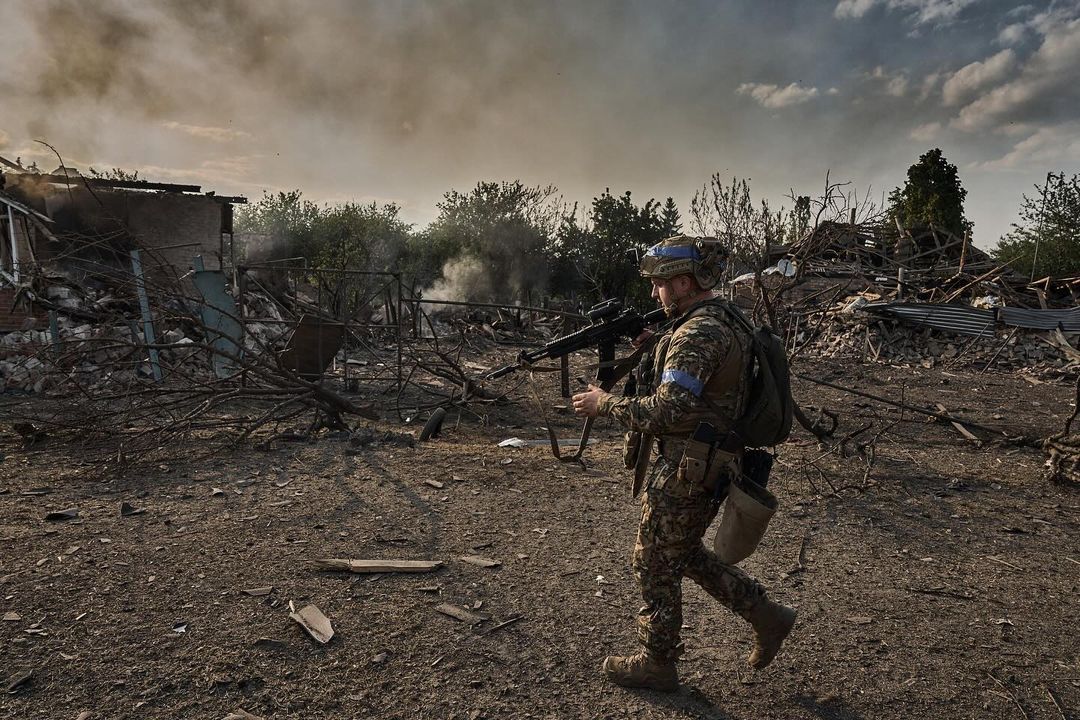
(894,84)
(774,96)
(929,85)
(1046,147)
(927,132)
(966,82)
(919,12)
(1045,90)
(216,134)
(1012,34)
(4,139)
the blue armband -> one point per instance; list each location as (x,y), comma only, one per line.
(684,380)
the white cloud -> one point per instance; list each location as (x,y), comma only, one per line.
(926,133)
(774,96)
(216,134)
(1045,88)
(920,12)
(1046,147)
(1012,34)
(966,82)
(853,8)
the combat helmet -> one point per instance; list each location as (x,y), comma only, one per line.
(702,257)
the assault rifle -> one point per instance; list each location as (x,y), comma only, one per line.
(608,322)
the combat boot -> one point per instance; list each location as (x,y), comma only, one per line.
(642,671)
(771,622)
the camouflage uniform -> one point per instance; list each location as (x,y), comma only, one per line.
(704,356)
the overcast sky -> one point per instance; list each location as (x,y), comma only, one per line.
(401,101)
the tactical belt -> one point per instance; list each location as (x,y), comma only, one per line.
(707,457)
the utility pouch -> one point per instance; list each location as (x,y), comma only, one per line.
(631,448)
(695,462)
(747,512)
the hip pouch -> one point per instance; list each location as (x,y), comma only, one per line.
(747,512)
(709,459)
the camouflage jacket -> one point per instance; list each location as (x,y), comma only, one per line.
(706,356)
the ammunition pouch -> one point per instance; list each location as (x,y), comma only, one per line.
(710,461)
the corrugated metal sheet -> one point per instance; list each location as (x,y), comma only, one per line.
(1042,319)
(961,319)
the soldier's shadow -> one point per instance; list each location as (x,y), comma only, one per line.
(831,708)
(688,700)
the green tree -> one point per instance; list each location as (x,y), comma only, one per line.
(800,220)
(352,236)
(1046,241)
(932,195)
(669,219)
(489,242)
(287,219)
(603,251)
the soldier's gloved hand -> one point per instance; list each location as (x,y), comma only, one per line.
(587,404)
(642,338)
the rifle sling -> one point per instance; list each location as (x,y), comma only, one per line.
(620,368)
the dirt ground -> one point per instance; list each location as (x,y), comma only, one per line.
(941,584)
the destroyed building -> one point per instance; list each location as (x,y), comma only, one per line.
(914,296)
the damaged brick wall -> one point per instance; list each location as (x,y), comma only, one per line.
(14,317)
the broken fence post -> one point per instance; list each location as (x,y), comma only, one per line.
(144,307)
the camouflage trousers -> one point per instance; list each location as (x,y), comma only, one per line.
(674,516)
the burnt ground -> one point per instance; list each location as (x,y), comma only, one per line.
(942,584)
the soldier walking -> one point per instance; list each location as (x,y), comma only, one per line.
(698,372)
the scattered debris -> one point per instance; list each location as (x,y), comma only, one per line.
(504,624)
(12,617)
(259,591)
(380,658)
(62,515)
(314,622)
(480,561)
(241,714)
(459,613)
(127,509)
(18,680)
(435,484)
(180,626)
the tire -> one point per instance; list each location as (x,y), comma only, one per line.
(434,424)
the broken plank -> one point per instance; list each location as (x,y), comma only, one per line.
(377,566)
(480,561)
(461,614)
(505,623)
(959,427)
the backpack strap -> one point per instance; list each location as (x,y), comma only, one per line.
(735,314)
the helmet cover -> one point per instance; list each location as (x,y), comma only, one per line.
(704,258)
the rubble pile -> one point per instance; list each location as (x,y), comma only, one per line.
(98,340)
(855,334)
(916,297)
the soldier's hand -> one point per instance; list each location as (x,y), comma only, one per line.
(587,404)
(642,338)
